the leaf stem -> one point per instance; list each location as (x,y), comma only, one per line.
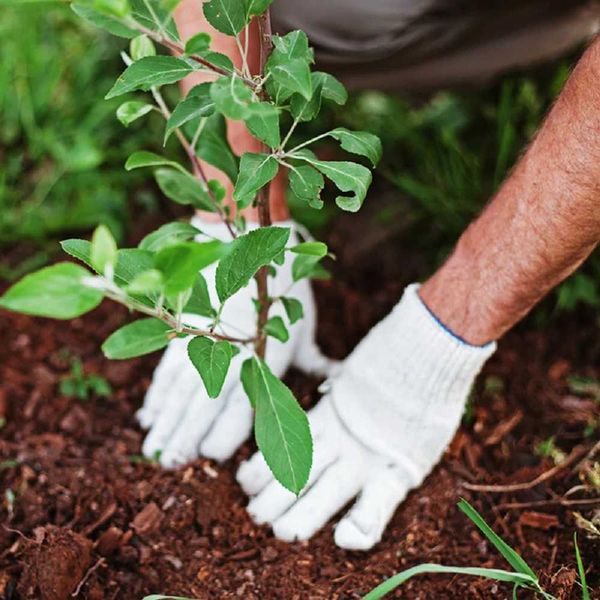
(286,139)
(307,143)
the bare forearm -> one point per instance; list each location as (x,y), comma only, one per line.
(542,224)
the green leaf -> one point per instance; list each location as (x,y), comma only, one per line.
(256,170)
(196,104)
(218,190)
(168,235)
(130,263)
(290,46)
(117,8)
(148,72)
(183,189)
(147,283)
(293,77)
(79,249)
(332,88)
(281,427)
(254,8)
(311,249)
(109,23)
(275,327)
(129,112)
(212,360)
(308,266)
(103,250)
(249,252)
(226,16)
(496,574)
(213,147)
(199,302)
(325,86)
(307,183)
(348,177)
(141,46)
(198,43)
(149,159)
(513,559)
(359,142)
(153,15)
(232,97)
(289,66)
(56,291)
(136,339)
(180,263)
(218,60)
(293,309)
(169,5)
(263,123)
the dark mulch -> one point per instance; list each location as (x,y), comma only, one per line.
(81,511)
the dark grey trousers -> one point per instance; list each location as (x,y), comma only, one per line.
(424,44)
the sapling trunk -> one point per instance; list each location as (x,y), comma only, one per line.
(263,197)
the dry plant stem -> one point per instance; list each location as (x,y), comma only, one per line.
(575,455)
(264,211)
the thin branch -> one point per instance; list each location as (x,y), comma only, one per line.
(117,295)
(196,164)
(179,50)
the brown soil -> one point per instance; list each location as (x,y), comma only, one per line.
(81,510)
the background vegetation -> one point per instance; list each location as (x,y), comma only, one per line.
(62,150)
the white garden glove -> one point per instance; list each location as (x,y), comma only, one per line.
(183,421)
(388,417)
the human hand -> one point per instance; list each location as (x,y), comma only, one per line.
(386,421)
(183,421)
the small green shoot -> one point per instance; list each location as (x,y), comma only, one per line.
(584,386)
(80,385)
(548,448)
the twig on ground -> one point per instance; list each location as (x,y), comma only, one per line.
(575,455)
(80,585)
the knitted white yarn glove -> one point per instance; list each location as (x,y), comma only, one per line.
(388,417)
(183,421)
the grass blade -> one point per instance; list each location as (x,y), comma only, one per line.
(519,579)
(514,559)
(584,588)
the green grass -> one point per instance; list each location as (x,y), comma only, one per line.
(522,576)
(61,147)
(448,156)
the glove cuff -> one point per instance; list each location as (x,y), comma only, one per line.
(410,376)
(437,354)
